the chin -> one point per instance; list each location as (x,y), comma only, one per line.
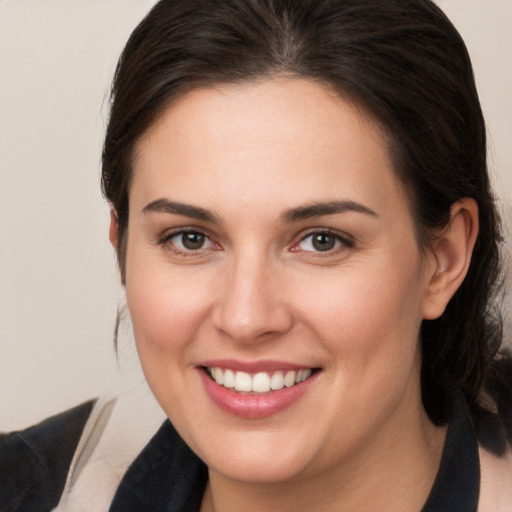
(258,469)
(258,457)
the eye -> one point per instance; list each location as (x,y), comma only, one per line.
(321,241)
(188,241)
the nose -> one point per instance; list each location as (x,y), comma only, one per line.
(252,305)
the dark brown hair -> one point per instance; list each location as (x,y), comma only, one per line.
(405,63)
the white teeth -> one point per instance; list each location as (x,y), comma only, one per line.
(289,379)
(261,382)
(218,375)
(243,381)
(302,375)
(229,378)
(277,381)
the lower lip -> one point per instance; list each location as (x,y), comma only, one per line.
(253,406)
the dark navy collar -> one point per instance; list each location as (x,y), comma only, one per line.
(457,484)
(168,477)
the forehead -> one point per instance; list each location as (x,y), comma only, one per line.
(264,142)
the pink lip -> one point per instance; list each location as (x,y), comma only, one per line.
(251,366)
(254,406)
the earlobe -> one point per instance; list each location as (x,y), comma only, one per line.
(451,257)
(113,232)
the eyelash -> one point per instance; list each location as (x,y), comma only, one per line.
(166,241)
(343,241)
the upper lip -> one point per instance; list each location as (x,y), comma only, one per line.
(253,366)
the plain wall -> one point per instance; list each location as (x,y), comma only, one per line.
(59,286)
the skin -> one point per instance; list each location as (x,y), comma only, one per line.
(258,290)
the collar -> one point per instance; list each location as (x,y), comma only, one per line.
(457,484)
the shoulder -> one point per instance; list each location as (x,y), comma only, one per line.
(121,423)
(34,462)
(496,481)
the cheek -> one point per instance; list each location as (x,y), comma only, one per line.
(167,313)
(362,315)
(156,309)
(166,308)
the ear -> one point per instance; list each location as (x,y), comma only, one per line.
(451,257)
(113,232)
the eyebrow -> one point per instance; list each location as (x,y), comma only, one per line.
(313,210)
(195,212)
(297,214)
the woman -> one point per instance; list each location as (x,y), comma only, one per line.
(310,249)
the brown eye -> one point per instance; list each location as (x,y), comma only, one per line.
(323,242)
(192,241)
(188,241)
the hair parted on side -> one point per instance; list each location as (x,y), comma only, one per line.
(405,64)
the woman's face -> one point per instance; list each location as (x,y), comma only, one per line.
(269,242)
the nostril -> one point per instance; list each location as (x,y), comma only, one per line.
(256,325)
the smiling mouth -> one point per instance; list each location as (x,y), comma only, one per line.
(261,382)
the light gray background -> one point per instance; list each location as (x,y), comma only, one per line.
(59,286)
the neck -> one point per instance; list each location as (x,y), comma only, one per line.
(396,468)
